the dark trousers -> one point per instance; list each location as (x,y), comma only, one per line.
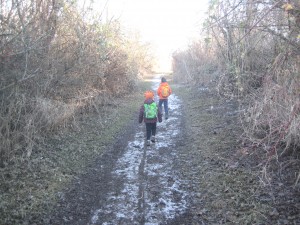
(165,102)
(150,130)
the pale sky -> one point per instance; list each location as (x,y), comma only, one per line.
(167,24)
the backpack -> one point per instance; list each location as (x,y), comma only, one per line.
(150,110)
(165,91)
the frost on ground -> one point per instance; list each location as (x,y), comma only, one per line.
(151,191)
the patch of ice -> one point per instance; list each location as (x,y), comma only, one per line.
(95,217)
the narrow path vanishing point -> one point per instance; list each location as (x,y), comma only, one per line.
(145,188)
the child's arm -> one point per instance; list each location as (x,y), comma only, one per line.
(159,116)
(141,115)
(159,90)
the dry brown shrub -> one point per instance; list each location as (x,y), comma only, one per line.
(57,66)
(197,64)
(273,118)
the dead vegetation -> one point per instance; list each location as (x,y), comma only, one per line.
(224,174)
(57,64)
(252,48)
(32,186)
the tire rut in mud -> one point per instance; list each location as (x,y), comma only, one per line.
(141,197)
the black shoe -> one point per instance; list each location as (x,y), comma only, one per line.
(153,139)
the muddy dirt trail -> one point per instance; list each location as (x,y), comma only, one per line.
(132,183)
(199,172)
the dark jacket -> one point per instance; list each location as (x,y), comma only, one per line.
(142,112)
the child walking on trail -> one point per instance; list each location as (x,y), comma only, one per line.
(164,91)
(150,113)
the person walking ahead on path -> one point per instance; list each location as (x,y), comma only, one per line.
(164,91)
(150,113)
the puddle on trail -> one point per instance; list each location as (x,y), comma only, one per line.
(147,189)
